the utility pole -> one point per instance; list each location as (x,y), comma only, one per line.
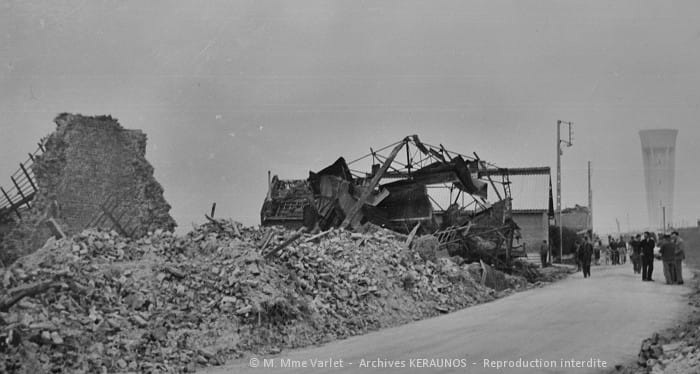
(559,153)
(590,200)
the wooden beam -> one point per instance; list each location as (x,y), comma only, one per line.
(372,184)
(412,235)
(16,294)
(29,178)
(287,242)
(12,205)
(24,198)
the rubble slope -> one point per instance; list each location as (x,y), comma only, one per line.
(165,303)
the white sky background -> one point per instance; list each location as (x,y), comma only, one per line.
(227,90)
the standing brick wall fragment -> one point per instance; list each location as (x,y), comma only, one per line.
(88,162)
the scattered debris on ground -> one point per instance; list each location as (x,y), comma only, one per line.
(673,351)
(101,302)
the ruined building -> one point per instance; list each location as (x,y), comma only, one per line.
(416,188)
(90,172)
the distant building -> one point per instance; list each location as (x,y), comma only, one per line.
(659,157)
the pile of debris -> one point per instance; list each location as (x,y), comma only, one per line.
(101,302)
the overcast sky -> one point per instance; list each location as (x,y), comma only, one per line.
(227,90)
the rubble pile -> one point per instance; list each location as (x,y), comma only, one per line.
(675,350)
(101,302)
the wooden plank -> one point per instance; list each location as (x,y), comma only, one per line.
(12,206)
(235,228)
(266,240)
(412,235)
(24,198)
(324,233)
(287,242)
(372,184)
(27,175)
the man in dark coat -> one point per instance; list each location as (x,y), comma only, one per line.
(586,256)
(647,246)
(680,255)
(668,255)
(544,251)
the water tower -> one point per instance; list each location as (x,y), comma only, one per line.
(659,156)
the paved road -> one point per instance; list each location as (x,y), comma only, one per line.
(602,318)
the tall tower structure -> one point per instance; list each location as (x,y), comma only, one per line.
(659,157)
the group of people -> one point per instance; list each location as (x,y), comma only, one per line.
(641,251)
(616,252)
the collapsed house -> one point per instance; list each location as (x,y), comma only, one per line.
(89,173)
(402,195)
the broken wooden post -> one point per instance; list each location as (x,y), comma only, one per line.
(372,184)
(55,229)
(411,235)
(12,205)
(287,242)
(215,222)
(266,240)
(15,295)
(269,186)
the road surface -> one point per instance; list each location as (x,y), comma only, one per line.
(602,319)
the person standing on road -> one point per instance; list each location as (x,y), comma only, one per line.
(636,244)
(622,249)
(647,246)
(544,250)
(596,252)
(668,255)
(586,256)
(679,255)
(611,249)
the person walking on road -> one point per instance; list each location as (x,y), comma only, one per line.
(680,255)
(544,250)
(647,247)
(596,252)
(586,256)
(668,255)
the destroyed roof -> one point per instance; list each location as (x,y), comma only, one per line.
(530,187)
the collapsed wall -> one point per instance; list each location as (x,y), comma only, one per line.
(93,173)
